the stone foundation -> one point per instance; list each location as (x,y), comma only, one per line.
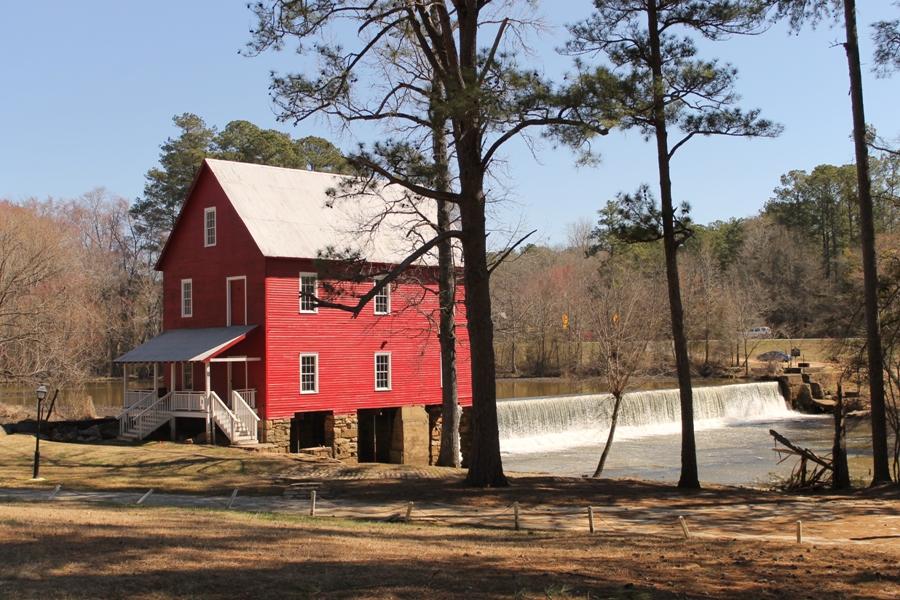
(278,433)
(416,437)
(342,433)
(435,423)
(411,444)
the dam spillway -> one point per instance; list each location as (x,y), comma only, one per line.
(558,422)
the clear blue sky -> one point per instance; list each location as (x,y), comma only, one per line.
(89,89)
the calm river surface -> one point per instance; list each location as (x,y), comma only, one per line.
(734,454)
(730,453)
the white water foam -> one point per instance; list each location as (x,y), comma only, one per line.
(559,422)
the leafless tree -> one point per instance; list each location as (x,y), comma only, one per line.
(623,321)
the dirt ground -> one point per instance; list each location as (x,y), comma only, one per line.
(161,553)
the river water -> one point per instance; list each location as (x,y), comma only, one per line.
(560,428)
(564,435)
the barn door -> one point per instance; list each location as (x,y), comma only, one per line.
(237,301)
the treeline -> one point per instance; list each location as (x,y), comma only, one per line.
(77,287)
(794,268)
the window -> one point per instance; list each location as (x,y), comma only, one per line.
(187,376)
(383,300)
(187,298)
(209,221)
(309,284)
(309,373)
(382,371)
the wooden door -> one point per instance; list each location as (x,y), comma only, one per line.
(237,301)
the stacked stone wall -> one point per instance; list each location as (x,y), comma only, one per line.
(344,433)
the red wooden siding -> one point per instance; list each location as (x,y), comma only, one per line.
(235,254)
(346,348)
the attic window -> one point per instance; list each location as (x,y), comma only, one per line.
(209,222)
(309,283)
(382,299)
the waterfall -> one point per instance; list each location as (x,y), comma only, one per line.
(559,422)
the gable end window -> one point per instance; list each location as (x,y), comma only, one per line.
(382,371)
(383,300)
(309,373)
(187,298)
(209,226)
(309,291)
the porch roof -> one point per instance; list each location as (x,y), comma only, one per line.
(187,345)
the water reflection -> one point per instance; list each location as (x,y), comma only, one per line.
(105,395)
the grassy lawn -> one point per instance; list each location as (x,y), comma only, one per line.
(176,467)
(113,466)
(159,553)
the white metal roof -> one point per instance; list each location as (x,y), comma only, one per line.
(186,345)
(290,214)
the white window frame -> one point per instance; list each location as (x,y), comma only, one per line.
(187,368)
(210,210)
(189,313)
(315,308)
(384,293)
(389,369)
(315,356)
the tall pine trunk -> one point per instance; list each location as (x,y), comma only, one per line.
(881,470)
(449,454)
(485,464)
(689,474)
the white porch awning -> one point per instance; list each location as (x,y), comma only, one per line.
(187,345)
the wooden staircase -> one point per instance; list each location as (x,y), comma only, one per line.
(239,423)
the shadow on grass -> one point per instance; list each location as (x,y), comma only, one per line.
(204,554)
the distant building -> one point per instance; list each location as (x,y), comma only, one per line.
(244,354)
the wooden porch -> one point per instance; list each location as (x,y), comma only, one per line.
(226,406)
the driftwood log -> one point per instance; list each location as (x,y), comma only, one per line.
(801,476)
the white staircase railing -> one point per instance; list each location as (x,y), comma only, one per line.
(134,397)
(245,413)
(140,421)
(248,395)
(237,428)
(126,417)
(189,401)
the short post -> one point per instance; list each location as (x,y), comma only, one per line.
(312,503)
(799,532)
(409,507)
(145,496)
(233,496)
(591,518)
(54,492)
(684,528)
(516,515)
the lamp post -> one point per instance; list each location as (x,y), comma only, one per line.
(41,394)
